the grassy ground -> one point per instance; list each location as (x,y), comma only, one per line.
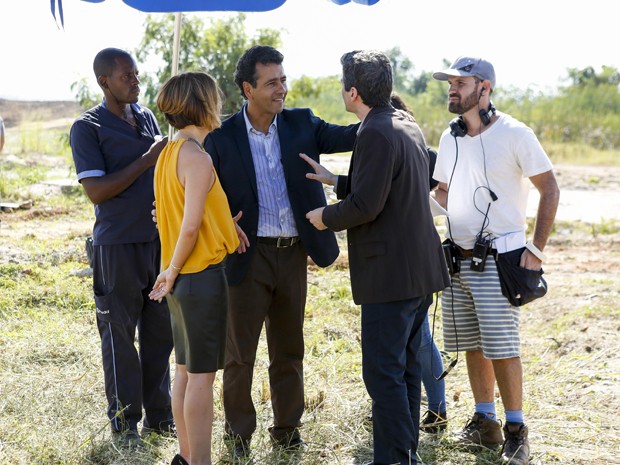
(51,387)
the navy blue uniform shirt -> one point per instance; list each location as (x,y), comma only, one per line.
(102,143)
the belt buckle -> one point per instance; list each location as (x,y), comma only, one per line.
(280,241)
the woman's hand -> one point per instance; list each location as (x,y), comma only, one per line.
(163,284)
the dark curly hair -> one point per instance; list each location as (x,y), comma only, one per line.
(370,72)
(246,66)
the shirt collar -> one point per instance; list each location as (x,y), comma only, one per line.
(250,129)
(134,106)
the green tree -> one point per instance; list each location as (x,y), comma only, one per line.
(586,111)
(84,94)
(402,69)
(323,95)
(420,84)
(214,49)
(589,77)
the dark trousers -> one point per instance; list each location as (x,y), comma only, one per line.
(391,335)
(273,293)
(123,275)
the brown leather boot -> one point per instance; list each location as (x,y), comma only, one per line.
(480,432)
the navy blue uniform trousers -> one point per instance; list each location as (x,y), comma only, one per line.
(391,335)
(123,275)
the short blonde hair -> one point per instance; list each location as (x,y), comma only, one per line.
(191,98)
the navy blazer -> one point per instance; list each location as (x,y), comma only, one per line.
(300,131)
(394,250)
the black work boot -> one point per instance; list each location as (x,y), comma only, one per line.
(516,448)
(434,422)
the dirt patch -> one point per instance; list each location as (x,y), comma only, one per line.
(51,114)
(589,194)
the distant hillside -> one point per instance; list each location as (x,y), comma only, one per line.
(14,112)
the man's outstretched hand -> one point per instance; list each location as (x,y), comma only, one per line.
(321,173)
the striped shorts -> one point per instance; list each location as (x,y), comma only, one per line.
(477,316)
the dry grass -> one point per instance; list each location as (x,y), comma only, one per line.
(52,406)
(51,388)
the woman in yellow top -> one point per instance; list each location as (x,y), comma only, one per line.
(197,232)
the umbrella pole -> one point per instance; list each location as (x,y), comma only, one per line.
(176,43)
(175,54)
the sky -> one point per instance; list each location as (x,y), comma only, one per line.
(532,43)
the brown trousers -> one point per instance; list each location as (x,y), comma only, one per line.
(274,293)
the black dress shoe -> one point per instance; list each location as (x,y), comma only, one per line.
(166,431)
(127,439)
(287,439)
(294,445)
(434,422)
(240,449)
(178,460)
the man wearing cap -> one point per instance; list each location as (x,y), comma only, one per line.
(484,161)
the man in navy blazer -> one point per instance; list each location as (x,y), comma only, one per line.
(396,260)
(256,156)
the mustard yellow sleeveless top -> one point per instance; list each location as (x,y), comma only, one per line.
(217,236)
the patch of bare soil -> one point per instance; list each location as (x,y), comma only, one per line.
(588,193)
(50,114)
(570,352)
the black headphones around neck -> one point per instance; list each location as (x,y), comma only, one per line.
(458,128)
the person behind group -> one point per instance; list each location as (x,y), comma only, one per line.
(395,255)
(1,133)
(436,417)
(255,154)
(197,232)
(115,147)
(484,162)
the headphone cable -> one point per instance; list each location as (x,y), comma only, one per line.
(454,361)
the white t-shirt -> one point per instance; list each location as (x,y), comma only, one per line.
(511,153)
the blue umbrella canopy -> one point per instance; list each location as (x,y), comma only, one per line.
(179,6)
(174,6)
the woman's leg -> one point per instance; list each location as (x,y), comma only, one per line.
(179,387)
(198,414)
(432,367)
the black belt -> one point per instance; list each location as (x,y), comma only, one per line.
(279,241)
(470,253)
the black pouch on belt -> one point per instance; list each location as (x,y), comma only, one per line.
(519,285)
